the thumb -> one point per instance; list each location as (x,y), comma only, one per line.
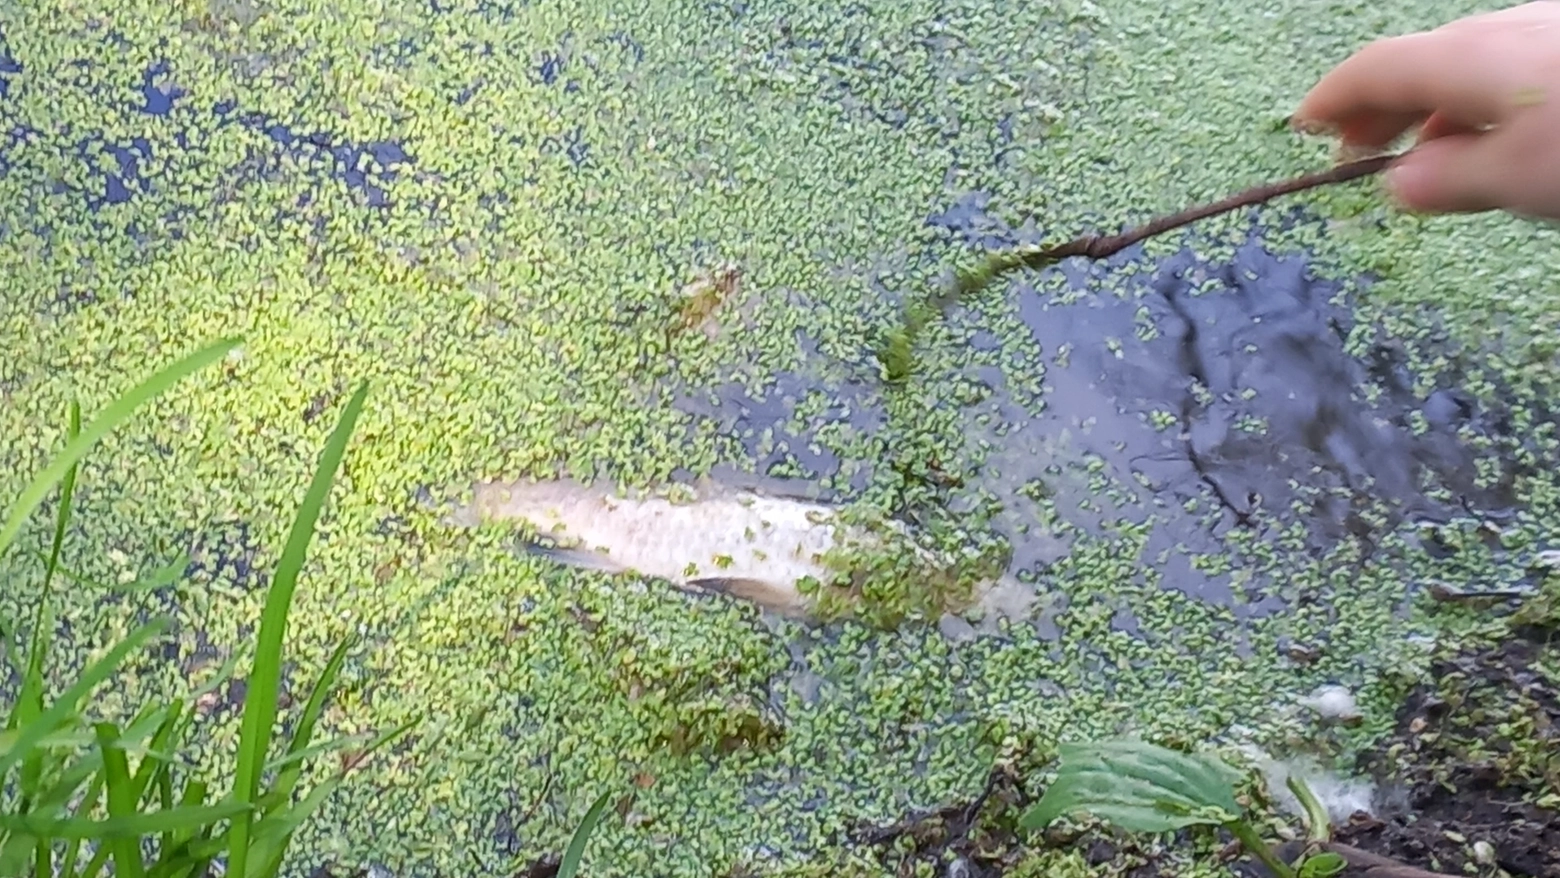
(1457,173)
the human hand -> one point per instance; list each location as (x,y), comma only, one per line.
(1487,91)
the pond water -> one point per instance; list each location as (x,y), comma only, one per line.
(1228,461)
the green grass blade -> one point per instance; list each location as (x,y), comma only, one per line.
(68,781)
(292,764)
(160,578)
(277,796)
(51,719)
(194,794)
(155,775)
(121,802)
(575,852)
(132,826)
(184,865)
(260,703)
(67,492)
(163,783)
(15,853)
(298,750)
(73,847)
(9,644)
(188,850)
(93,760)
(43,858)
(273,833)
(29,703)
(111,417)
(222,675)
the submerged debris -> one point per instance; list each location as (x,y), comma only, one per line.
(701,298)
(1335,704)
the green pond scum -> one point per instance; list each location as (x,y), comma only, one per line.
(492,210)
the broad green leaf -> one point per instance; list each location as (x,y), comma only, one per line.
(1323,865)
(1097,794)
(570,864)
(111,417)
(260,705)
(1196,776)
(1151,788)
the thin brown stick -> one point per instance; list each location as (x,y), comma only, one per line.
(1363,864)
(897,354)
(1103,246)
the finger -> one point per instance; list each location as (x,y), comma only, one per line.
(1455,173)
(1439,125)
(1536,12)
(1376,130)
(1412,75)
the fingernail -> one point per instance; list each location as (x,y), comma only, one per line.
(1313,127)
(1398,178)
(1346,152)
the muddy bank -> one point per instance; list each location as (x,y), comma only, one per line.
(1465,784)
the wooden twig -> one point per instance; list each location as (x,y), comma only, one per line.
(1362,864)
(897,353)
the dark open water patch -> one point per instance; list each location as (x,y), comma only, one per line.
(177,171)
(1203,395)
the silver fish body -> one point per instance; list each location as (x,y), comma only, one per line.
(744,544)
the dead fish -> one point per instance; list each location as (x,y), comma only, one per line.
(740,543)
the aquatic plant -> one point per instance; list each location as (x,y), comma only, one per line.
(896,354)
(1142,787)
(61,770)
(886,575)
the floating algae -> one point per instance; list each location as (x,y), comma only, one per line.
(564,166)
